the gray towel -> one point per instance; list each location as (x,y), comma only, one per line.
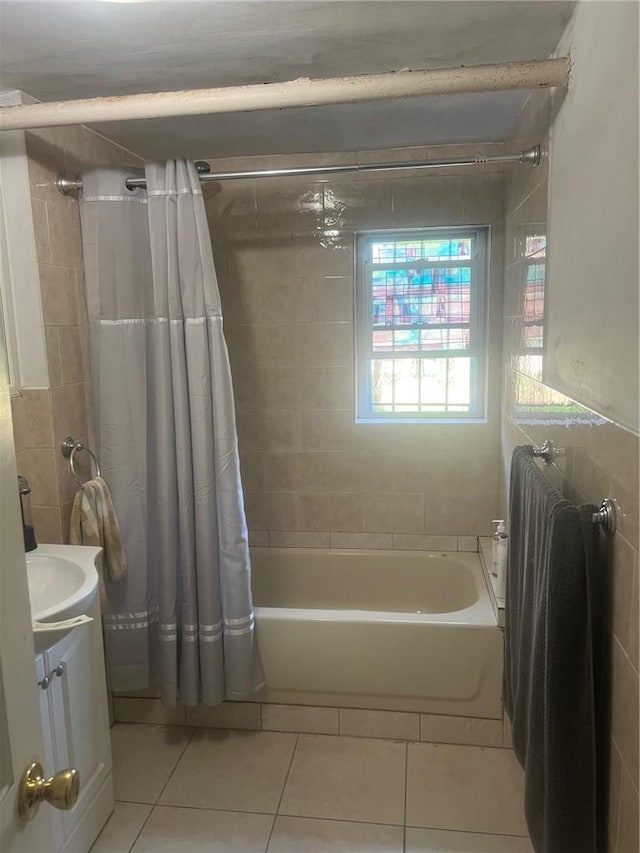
(549,658)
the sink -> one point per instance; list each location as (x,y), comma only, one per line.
(63,583)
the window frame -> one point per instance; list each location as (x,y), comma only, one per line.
(478,351)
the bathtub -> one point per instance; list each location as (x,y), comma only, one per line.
(392,630)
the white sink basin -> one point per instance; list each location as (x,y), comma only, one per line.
(63,583)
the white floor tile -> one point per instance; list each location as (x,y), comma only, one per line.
(143,758)
(122,828)
(346,779)
(471,788)
(444,841)
(306,835)
(231,770)
(202,831)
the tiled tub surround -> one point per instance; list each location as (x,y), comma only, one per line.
(289,793)
(316,719)
(285,261)
(43,417)
(601,461)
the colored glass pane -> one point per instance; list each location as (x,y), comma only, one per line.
(405,251)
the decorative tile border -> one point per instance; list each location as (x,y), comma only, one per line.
(364,541)
(347,722)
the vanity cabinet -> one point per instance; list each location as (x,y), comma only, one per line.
(75,726)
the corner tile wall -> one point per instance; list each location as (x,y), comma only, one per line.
(601,461)
(284,252)
(42,418)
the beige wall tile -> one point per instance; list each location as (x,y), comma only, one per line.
(38,465)
(32,422)
(379,724)
(129,710)
(47,523)
(41,230)
(69,412)
(324,344)
(229,715)
(613,782)
(252,469)
(633,644)
(271,510)
(373,541)
(628,818)
(327,429)
(298,539)
(298,471)
(72,354)
(46,163)
(618,602)
(393,513)
(419,542)
(331,511)
(259,538)
(64,232)
(432,201)
(267,429)
(624,709)
(469,730)
(467,543)
(65,512)
(300,718)
(347,471)
(54,362)
(58,291)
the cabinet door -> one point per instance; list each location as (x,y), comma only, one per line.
(49,754)
(80,715)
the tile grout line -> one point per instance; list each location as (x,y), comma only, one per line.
(406,782)
(286,779)
(141,830)
(170,777)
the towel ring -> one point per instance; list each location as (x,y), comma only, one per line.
(69,447)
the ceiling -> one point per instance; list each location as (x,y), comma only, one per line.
(62,50)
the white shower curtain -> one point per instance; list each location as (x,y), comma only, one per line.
(165,434)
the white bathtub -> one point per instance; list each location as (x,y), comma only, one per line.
(394,630)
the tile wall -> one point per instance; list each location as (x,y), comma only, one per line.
(42,418)
(284,255)
(601,460)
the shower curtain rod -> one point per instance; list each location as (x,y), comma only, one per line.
(531,156)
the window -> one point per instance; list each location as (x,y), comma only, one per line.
(420,325)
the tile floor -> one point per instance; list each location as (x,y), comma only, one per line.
(217,791)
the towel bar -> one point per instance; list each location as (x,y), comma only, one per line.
(606,516)
(69,447)
(548,451)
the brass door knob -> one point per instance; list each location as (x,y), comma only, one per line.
(60,791)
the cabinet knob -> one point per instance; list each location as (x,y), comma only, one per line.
(59,670)
(60,791)
(46,681)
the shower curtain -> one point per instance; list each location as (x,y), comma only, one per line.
(164,423)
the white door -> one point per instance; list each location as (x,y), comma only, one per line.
(20,730)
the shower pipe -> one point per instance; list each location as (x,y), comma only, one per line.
(532,156)
(531,74)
